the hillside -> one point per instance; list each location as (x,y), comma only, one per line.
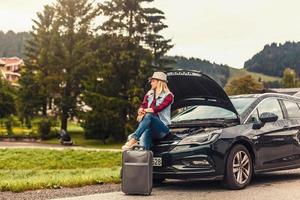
(274,58)
(221,73)
(236,73)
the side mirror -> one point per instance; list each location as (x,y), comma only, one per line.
(264,118)
(268,117)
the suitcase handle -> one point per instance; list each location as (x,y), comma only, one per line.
(138,148)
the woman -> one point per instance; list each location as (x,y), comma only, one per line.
(156,112)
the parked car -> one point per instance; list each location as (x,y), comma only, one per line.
(213,136)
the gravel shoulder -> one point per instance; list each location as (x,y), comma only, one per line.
(60,193)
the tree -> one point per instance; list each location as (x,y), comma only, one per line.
(289,79)
(36,73)
(56,55)
(127,54)
(29,100)
(115,86)
(12,44)
(72,36)
(141,24)
(7,99)
(243,85)
(274,58)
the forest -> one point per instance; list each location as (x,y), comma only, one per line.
(274,58)
(12,44)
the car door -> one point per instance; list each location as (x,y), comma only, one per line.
(273,141)
(293,117)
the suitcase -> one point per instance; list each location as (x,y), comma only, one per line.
(137,171)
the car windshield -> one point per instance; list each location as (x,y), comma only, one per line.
(241,104)
(201,112)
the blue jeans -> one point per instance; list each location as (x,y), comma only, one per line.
(150,128)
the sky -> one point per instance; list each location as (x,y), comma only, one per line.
(221,31)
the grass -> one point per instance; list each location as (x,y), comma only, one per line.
(22,180)
(237,73)
(77,134)
(27,169)
(51,159)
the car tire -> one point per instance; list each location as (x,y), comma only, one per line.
(239,168)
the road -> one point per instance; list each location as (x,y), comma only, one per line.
(283,185)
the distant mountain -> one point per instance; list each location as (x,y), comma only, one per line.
(274,58)
(12,44)
(220,73)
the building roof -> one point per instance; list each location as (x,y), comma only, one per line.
(11,61)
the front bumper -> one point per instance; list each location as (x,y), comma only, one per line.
(199,162)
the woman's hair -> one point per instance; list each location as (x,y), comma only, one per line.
(161,87)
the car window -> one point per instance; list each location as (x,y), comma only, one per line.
(253,117)
(272,106)
(292,109)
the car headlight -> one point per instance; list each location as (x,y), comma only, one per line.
(203,138)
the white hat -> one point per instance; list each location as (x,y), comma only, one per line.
(160,76)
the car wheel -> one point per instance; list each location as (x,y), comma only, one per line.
(239,168)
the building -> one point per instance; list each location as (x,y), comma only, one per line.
(10,69)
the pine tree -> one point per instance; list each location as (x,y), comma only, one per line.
(56,55)
(115,86)
(141,24)
(34,91)
(74,33)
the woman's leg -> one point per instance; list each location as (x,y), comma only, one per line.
(146,139)
(143,125)
(158,128)
(151,127)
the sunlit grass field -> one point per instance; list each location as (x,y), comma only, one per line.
(27,169)
(238,73)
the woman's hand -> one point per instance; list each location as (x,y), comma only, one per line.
(141,111)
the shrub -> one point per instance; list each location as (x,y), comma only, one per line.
(54,121)
(16,122)
(28,122)
(8,126)
(44,128)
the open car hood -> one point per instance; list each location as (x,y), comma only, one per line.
(195,88)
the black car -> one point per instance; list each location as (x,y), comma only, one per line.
(213,136)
